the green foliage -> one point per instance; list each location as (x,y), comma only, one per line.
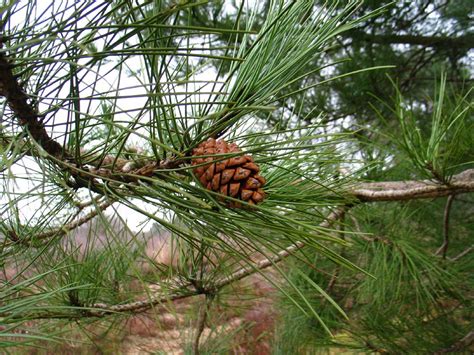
(107,78)
(411,302)
(123,86)
(441,148)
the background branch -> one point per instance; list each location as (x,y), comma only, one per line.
(465,42)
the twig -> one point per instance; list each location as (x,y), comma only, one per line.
(73,225)
(283,254)
(359,230)
(201,322)
(459,345)
(447,211)
(463,253)
(60,231)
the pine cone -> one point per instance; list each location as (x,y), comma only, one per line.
(236,176)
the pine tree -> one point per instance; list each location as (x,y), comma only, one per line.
(106,107)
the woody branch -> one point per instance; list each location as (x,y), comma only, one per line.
(362,193)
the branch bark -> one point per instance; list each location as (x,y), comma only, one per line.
(27,115)
(409,190)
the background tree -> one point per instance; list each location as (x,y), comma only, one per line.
(105,102)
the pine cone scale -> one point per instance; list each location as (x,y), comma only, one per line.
(241,173)
(252,166)
(227,175)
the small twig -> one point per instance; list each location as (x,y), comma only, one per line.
(283,254)
(335,275)
(73,225)
(447,211)
(60,231)
(459,345)
(83,205)
(201,322)
(463,253)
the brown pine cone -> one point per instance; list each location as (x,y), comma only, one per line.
(236,176)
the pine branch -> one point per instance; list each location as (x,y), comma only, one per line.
(97,165)
(371,192)
(410,190)
(115,168)
(27,115)
(188,289)
(368,192)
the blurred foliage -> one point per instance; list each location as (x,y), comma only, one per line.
(415,302)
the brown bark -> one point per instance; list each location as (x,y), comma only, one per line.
(27,116)
(409,190)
